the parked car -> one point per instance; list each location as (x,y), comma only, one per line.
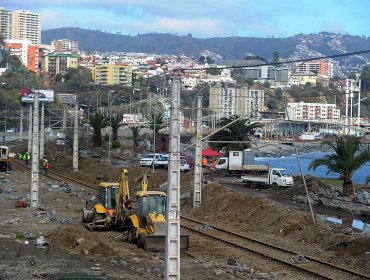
(184,166)
(147,160)
(12,129)
(162,162)
(188,160)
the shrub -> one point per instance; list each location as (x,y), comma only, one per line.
(116,144)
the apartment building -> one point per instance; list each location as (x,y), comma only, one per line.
(21,24)
(57,63)
(226,100)
(65,45)
(112,74)
(320,67)
(312,111)
(26,52)
(5,23)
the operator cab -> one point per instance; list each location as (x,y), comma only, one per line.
(107,196)
(150,204)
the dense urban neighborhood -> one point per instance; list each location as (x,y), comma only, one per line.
(126,157)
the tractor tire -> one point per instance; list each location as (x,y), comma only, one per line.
(9,167)
(132,235)
(140,242)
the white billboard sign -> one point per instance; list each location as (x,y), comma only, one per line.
(45,95)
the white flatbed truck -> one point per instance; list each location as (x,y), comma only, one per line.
(268,176)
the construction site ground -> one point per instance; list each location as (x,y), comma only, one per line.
(50,241)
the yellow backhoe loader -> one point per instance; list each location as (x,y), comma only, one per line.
(145,223)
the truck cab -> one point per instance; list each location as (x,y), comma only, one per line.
(280,177)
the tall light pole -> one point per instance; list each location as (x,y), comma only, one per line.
(75,139)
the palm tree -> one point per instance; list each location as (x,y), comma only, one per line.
(155,123)
(98,121)
(343,161)
(135,130)
(115,123)
(239,130)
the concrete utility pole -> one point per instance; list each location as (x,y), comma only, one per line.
(172,258)
(346,121)
(35,154)
(75,140)
(42,130)
(29,128)
(21,125)
(359,106)
(197,194)
(351,110)
(64,119)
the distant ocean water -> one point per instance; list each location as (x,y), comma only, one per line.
(291,164)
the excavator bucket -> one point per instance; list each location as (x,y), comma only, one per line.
(156,243)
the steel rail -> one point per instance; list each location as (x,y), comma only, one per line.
(314,266)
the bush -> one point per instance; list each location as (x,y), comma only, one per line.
(116,144)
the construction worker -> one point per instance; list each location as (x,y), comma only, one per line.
(213,166)
(26,158)
(46,166)
(204,162)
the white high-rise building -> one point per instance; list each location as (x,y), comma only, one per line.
(26,25)
(226,100)
(5,23)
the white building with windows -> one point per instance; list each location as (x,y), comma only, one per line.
(226,100)
(312,111)
(21,24)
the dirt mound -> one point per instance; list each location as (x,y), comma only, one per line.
(78,240)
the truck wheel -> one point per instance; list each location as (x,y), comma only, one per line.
(274,185)
(223,173)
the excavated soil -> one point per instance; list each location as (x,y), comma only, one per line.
(72,249)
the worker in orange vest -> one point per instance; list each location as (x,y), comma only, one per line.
(213,166)
(204,162)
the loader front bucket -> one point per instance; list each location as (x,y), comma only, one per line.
(155,243)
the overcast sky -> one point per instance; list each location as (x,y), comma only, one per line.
(203,18)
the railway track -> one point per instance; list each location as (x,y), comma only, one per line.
(308,264)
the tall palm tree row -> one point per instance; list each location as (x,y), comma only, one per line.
(239,130)
(345,160)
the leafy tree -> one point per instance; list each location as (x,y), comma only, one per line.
(115,123)
(279,94)
(213,71)
(98,121)
(343,161)
(239,130)
(365,79)
(276,57)
(272,104)
(266,84)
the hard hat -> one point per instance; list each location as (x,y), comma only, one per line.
(46,160)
